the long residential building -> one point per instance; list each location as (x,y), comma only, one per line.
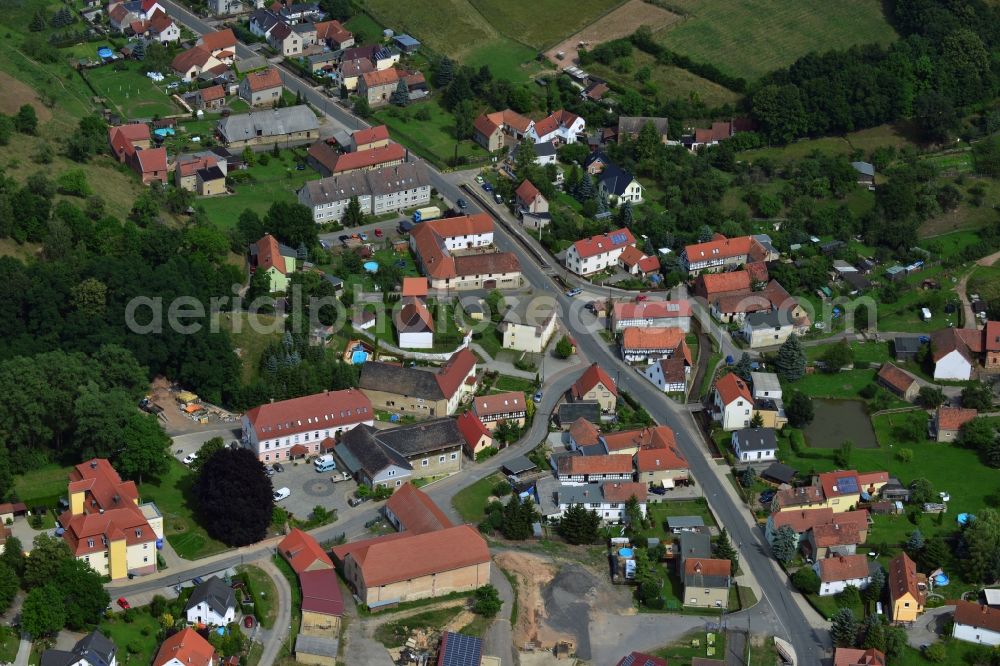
(385,190)
(647,314)
(420,391)
(293,124)
(105,526)
(304,426)
(722,252)
(597,253)
(458,253)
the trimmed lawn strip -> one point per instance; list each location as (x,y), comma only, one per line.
(9,643)
(134,93)
(395,632)
(470,502)
(261,589)
(250,342)
(684,650)
(139,639)
(674,82)
(508,383)
(433,139)
(477,627)
(42,486)
(172,495)
(293,583)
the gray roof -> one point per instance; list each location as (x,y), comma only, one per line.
(94,649)
(405,40)
(585,494)
(361,452)
(317,645)
(615,180)
(857,281)
(544,149)
(756,439)
(219,596)
(864,168)
(571,411)
(695,544)
(272,122)
(210,173)
(633,124)
(593,450)
(765,381)
(304,28)
(245,65)
(768,319)
(423,437)
(519,465)
(326,56)
(702,580)
(779,472)
(907,343)
(677,522)
(411,382)
(334,280)
(528,312)
(378,182)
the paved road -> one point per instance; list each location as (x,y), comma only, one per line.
(282,623)
(809,642)
(499,639)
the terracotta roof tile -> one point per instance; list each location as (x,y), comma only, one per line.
(652,310)
(607,464)
(720,283)
(219,40)
(320,411)
(264,80)
(527,191)
(801,520)
(499,403)
(652,337)
(730,388)
(584,433)
(953,418)
(186,646)
(416,511)
(321,592)
(472,430)
(902,579)
(707,567)
(975,615)
(843,567)
(621,491)
(602,243)
(590,378)
(856,657)
(303,552)
(371,135)
(718,248)
(895,377)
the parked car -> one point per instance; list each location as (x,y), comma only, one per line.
(268,471)
(462,203)
(123,602)
(537,398)
(248,622)
(574,292)
(277,467)
(281,494)
(767,496)
(190,458)
(363,236)
(640,298)
(658,490)
(487,187)
(479,179)
(343,238)
(354,501)
(378,233)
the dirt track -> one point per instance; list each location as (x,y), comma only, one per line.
(618,23)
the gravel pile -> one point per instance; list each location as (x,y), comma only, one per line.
(567,605)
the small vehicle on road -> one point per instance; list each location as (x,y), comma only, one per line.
(378,233)
(462,203)
(355,501)
(537,398)
(282,494)
(479,179)
(574,292)
(363,236)
(190,458)
(277,467)
(487,187)
(123,602)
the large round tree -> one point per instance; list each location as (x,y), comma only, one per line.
(234,496)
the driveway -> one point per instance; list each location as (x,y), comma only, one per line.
(192,442)
(277,636)
(928,627)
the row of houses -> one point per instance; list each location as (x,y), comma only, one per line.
(378,191)
(458,253)
(297,37)
(147,20)
(186,647)
(498,129)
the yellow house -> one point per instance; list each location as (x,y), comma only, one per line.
(904,591)
(105,526)
(277,260)
(596,385)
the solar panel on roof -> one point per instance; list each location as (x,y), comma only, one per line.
(618,238)
(461,650)
(847,484)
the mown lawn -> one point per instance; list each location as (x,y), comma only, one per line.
(251,340)
(265,595)
(433,139)
(278,180)
(507,59)
(508,383)
(749,38)
(658,512)
(692,646)
(172,495)
(42,486)
(542,24)
(132,92)
(470,502)
(9,642)
(672,82)
(138,640)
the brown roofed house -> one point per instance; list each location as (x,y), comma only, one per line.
(898,381)
(948,421)
(595,384)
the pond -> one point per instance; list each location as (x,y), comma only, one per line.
(839,420)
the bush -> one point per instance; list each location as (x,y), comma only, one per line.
(502,489)
(134,647)
(656,603)
(904,455)
(936,653)
(868,392)
(806,581)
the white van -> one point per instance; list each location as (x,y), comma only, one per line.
(925,314)
(324,463)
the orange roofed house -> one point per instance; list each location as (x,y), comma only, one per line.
(596,385)
(732,402)
(262,88)
(430,557)
(580,469)
(288,429)
(597,253)
(905,593)
(837,573)
(105,526)
(856,657)
(898,381)
(491,129)
(477,436)
(322,601)
(948,421)
(458,253)
(494,408)
(722,252)
(706,582)
(185,648)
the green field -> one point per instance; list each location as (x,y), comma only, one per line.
(506,59)
(470,502)
(432,139)
(542,24)
(138,639)
(133,93)
(42,486)
(172,495)
(278,180)
(251,343)
(672,82)
(749,38)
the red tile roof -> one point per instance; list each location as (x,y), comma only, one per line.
(652,310)
(371,135)
(991,336)
(321,592)
(554,121)
(659,460)
(415,286)
(707,567)
(527,192)
(584,433)
(511,119)
(160,23)
(416,511)
(194,56)
(452,374)
(414,317)
(499,403)
(381,77)
(485,126)
(855,657)
(152,160)
(720,283)
(896,378)
(320,411)
(648,265)
(368,159)
(332,30)
(718,248)
(953,418)
(123,137)
(213,93)
(832,485)
(801,520)
(220,40)
(601,243)
(730,388)
(843,567)
(631,256)
(657,437)
(488,263)
(836,534)
(801,496)
(186,646)
(264,79)
(472,430)
(608,464)
(902,579)
(476,224)
(622,491)
(965,341)
(590,378)
(652,337)
(975,615)
(303,552)
(437,262)
(268,252)
(405,557)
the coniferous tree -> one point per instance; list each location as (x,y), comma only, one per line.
(37,22)
(724,550)
(444,72)
(743,367)
(401,95)
(783,546)
(579,525)
(139,50)
(845,628)
(791,361)
(586,190)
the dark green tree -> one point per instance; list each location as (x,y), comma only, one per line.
(230,473)
(783,545)
(922,491)
(206,451)
(353,215)
(799,410)
(806,581)
(38,22)
(791,361)
(977,395)
(13,556)
(486,601)
(874,590)
(8,586)
(844,628)
(874,634)
(743,367)
(444,72)
(518,517)
(139,50)
(579,525)
(724,550)
(43,612)
(931,397)
(748,477)
(564,348)
(915,543)
(843,455)
(83,594)
(838,357)
(47,555)
(401,95)
(362,108)
(26,120)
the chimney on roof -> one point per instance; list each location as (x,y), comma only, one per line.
(93,464)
